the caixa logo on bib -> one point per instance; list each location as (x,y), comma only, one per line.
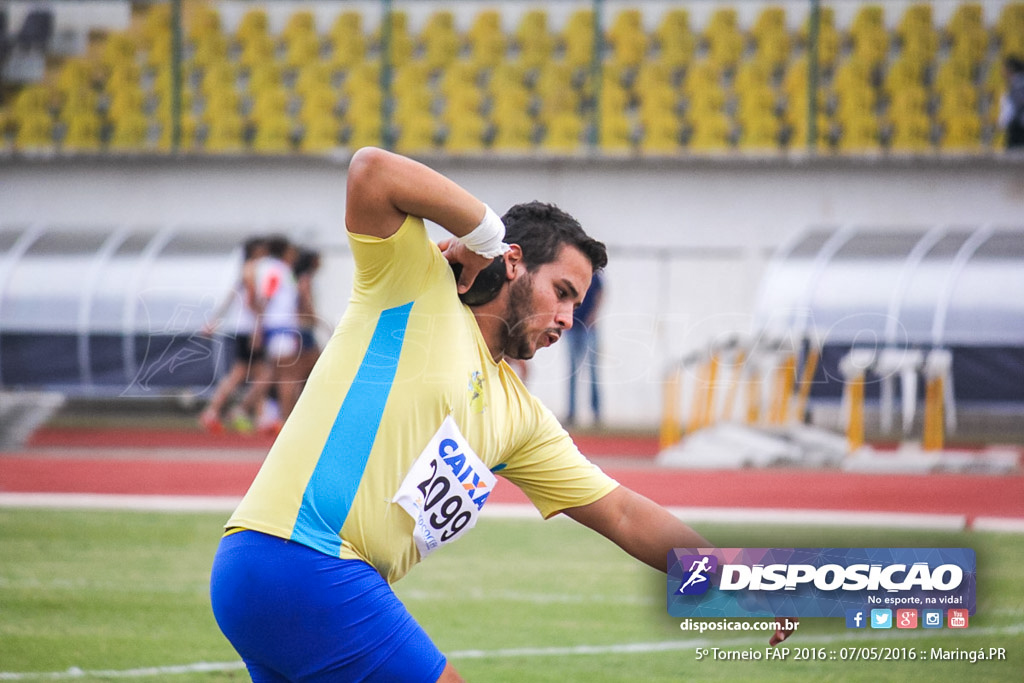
(817,582)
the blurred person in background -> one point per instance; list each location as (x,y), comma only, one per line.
(582,338)
(248,352)
(269,401)
(1011,110)
(306,267)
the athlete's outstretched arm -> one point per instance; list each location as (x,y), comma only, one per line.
(638,525)
(643,529)
(383,188)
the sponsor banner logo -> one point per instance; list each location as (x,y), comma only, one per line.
(824,582)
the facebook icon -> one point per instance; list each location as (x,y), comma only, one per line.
(855,618)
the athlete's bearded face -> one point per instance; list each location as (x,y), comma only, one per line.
(540,303)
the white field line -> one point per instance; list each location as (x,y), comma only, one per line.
(854,639)
(891,520)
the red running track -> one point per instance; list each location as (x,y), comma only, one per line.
(78,462)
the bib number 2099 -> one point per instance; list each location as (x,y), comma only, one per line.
(444,489)
(445,512)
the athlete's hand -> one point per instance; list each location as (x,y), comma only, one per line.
(783,633)
(472,263)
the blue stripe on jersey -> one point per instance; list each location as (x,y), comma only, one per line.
(332,487)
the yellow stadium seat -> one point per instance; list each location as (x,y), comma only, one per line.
(533,39)
(320,134)
(577,39)
(711,131)
(362,80)
(563,133)
(753,73)
(909,101)
(254,24)
(346,40)
(1009,27)
(771,38)
(660,134)
(859,133)
(269,104)
(675,40)
(155,24)
(224,134)
(961,133)
(503,77)
(853,73)
(466,132)
(79,101)
(118,49)
(855,99)
(82,133)
(273,134)
(627,38)
(130,133)
(365,131)
(957,100)
(313,77)
(301,24)
(440,40)
(159,51)
(125,101)
(903,73)
(201,21)
(724,39)
(710,98)
(123,76)
(400,42)
(511,100)
(317,104)
(657,102)
(760,133)
(614,98)
(416,132)
(468,99)
(615,132)
(513,130)
(211,49)
(868,34)
(911,132)
(487,40)
(756,102)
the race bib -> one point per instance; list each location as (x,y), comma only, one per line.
(445,489)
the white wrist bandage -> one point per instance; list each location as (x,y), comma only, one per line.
(486,238)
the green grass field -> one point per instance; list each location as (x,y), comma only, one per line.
(98,596)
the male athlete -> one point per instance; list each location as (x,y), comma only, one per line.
(393,447)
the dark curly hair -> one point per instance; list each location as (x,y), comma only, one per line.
(542,229)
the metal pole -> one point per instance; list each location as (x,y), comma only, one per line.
(812,75)
(387,135)
(176,75)
(595,74)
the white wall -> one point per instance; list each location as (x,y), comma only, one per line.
(688,238)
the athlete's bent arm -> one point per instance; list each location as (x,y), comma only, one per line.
(383,188)
(645,530)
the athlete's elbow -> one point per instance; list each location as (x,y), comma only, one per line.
(365,165)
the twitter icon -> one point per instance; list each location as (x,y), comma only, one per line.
(881,618)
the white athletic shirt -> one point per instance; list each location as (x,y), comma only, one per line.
(277,289)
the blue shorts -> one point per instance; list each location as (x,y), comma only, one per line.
(296,614)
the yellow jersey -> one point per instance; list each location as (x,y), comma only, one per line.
(406,358)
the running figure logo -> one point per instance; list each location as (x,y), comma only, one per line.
(696,580)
